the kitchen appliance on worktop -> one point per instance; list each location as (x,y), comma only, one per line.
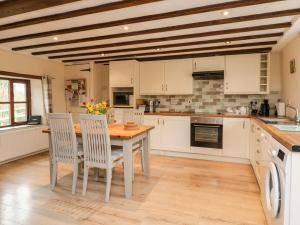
(264,108)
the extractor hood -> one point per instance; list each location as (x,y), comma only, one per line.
(209,75)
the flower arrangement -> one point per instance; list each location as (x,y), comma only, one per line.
(96,109)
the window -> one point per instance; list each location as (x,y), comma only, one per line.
(14,102)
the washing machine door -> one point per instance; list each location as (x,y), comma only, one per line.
(272,190)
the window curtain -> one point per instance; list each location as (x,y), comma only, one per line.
(47,94)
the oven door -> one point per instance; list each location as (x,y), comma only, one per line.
(207,135)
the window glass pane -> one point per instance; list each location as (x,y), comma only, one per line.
(4,115)
(20,112)
(4,90)
(19,92)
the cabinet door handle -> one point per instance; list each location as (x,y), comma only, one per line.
(257,163)
(195,65)
(163,122)
(244,124)
(166,87)
(162,87)
(257,151)
(131,80)
(258,140)
(158,121)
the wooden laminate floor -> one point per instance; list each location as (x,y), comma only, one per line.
(179,191)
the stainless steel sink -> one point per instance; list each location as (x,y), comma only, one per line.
(284,127)
(276,120)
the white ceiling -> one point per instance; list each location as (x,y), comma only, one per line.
(142,10)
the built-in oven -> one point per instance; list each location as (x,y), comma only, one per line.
(122,98)
(207,132)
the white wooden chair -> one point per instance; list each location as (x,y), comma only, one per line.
(97,149)
(64,146)
(136,116)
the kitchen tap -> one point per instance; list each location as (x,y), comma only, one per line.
(297,117)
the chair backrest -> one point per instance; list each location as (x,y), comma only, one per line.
(134,115)
(63,137)
(96,140)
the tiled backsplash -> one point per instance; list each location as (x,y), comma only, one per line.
(209,98)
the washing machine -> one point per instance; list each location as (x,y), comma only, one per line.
(275,195)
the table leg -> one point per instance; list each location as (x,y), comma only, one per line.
(146,155)
(127,151)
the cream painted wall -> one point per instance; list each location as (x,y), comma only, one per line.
(20,63)
(101,82)
(78,72)
(275,72)
(291,82)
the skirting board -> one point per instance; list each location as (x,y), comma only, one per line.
(200,156)
(23,156)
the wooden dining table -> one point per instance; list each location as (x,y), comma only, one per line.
(125,138)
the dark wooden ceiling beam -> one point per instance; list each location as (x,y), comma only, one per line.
(76,13)
(195,55)
(16,7)
(167,15)
(176,51)
(170,38)
(232,52)
(127,34)
(220,40)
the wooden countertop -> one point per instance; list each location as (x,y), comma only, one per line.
(226,115)
(291,140)
(116,131)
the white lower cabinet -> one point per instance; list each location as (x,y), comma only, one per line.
(236,137)
(259,147)
(171,133)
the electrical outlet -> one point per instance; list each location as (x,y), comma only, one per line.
(189,101)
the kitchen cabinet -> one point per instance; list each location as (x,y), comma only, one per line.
(155,134)
(123,73)
(171,133)
(152,79)
(242,74)
(213,63)
(178,72)
(236,137)
(260,144)
(164,77)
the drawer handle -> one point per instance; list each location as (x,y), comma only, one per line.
(257,163)
(258,151)
(258,140)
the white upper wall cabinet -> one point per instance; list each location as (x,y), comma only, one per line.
(152,79)
(122,73)
(209,63)
(171,77)
(242,74)
(178,77)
